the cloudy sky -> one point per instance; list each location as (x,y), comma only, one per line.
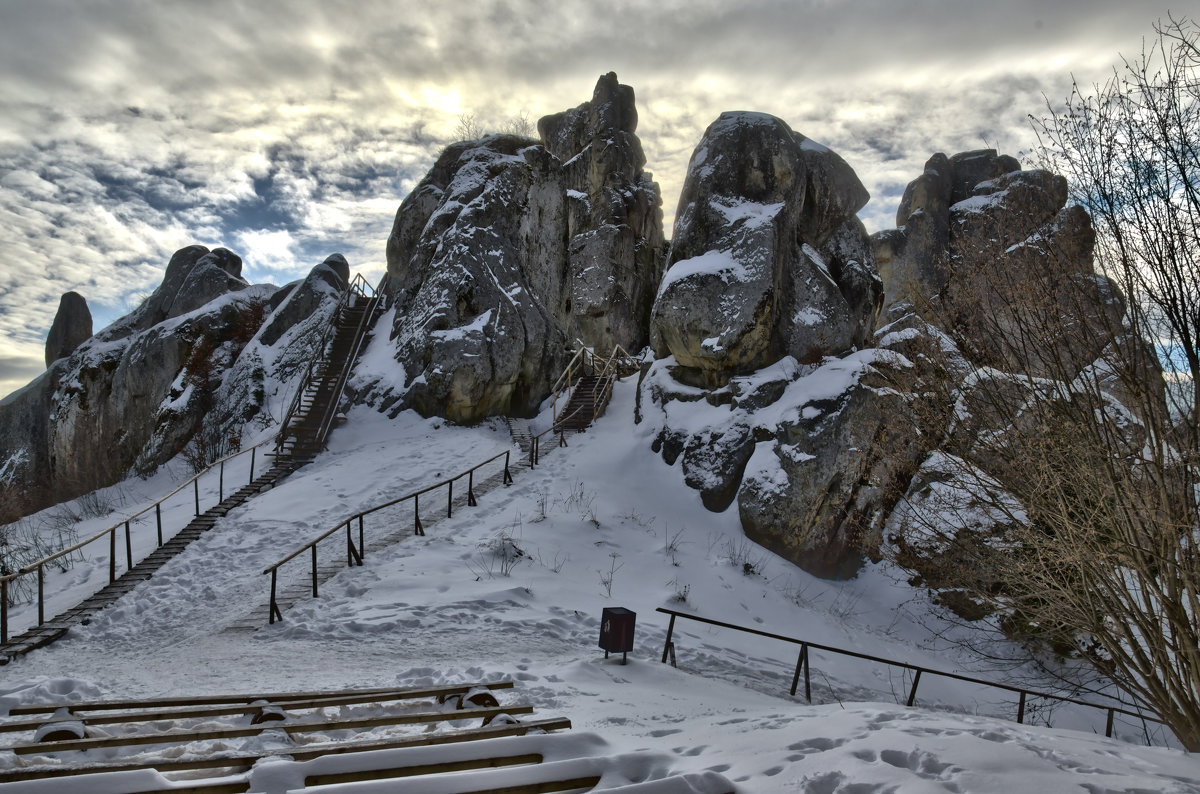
(286,131)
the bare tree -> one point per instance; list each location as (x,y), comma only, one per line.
(468,127)
(1062,501)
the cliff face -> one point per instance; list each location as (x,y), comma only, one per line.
(510,251)
(203,358)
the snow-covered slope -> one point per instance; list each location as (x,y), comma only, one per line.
(514,588)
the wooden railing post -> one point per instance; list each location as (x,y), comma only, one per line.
(802,664)
(471,489)
(221,483)
(450,498)
(362,547)
(158,520)
(668,645)
(196,490)
(418,529)
(912,693)
(314,569)
(1108,728)
(4,610)
(128,549)
(507,473)
(112,555)
(41,594)
(352,555)
(1021,709)
(275,613)
(253,452)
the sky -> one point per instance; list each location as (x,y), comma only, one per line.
(286,131)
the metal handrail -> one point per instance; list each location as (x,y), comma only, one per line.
(355,553)
(39,565)
(357,286)
(803,664)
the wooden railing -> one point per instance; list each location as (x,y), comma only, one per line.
(357,288)
(356,552)
(618,364)
(39,566)
(804,666)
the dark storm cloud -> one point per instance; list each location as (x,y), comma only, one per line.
(288,130)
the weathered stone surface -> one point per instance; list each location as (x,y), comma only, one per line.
(72,326)
(510,250)
(766,255)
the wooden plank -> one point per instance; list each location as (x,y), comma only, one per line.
(313,726)
(311,751)
(386,773)
(243,707)
(277,698)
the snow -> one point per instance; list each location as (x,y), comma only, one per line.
(439,609)
(750,213)
(717,263)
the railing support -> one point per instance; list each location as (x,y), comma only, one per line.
(4,609)
(112,555)
(352,555)
(450,499)
(128,549)
(253,452)
(275,613)
(221,483)
(41,594)
(1021,709)
(314,570)
(196,491)
(158,520)
(362,547)
(668,646)
(912,693)
(507,472)
(471,489)
(1108,727)
(418,529)
(802,664)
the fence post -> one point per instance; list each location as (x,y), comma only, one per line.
(112,555)
(314,575)
(253,452)
(158,520)
(4,609)
(912,693)
(533,448)
(668,645)
(802,664)
(507,473)
(221,483)
(471,489)
(1108,728)
(450,499)
(128,549)
(362,548)
(275,613)
(196,490)
(419,530)
(41,595)
(1021,709)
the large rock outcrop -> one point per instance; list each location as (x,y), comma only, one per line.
(772,278)
(511,250)
(72,327)
(767,258)
(169,376)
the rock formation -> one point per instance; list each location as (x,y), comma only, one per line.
(510,250)
(767,258)
(169,375)
(72,326)
(771,277)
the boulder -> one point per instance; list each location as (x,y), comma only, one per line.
(767,259)
(72,327)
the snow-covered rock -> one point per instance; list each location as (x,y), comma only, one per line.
(72,326)
(767,258)
(510,250)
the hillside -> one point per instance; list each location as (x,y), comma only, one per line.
(447,607)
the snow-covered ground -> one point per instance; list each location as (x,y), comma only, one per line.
(514,588)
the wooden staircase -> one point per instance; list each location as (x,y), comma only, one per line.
(312,413)
(49,631)
(588,399)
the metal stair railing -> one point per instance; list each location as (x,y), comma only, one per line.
(39,566)
(358,287)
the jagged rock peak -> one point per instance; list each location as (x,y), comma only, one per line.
(72,327)
(509,250)
(767,257)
